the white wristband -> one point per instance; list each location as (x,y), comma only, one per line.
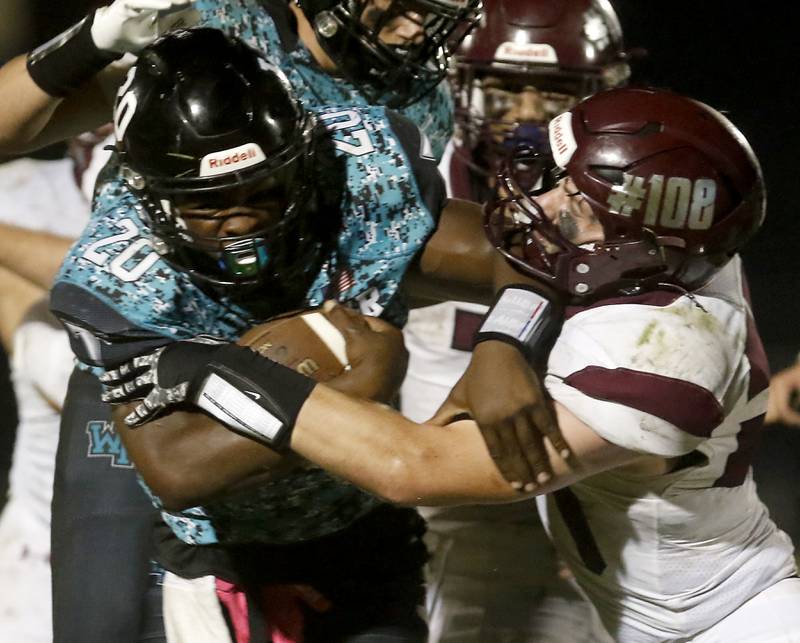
(517,313)
(522,317)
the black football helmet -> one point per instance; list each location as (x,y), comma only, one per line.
(565,50)
(206,128)
(675,186)
(392,74)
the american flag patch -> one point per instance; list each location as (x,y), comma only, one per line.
(345,281)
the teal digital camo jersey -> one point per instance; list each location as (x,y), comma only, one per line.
(118,298)
(268,26)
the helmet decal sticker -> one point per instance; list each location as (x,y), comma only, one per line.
(527,52)
(232,160)
(562,140)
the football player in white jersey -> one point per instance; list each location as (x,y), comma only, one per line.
(31,193)
(525,63)
(657,374)
(522,65)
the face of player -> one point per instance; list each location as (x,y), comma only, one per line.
(233,213)
(567,208)
(515,113)
(397,24)
(518,100)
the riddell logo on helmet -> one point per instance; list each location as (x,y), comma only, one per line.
(527,52)
(232,160)
(562,140)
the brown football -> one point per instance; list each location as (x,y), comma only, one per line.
(306,342)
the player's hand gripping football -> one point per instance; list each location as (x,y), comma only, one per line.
(376,354)
(130,25)
(160,379)
(507,400)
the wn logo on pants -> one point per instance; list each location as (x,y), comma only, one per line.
(105,443)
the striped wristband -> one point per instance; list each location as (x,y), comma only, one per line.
(522,317)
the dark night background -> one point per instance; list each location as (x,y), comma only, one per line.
(741,58)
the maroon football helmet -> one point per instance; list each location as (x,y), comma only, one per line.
(565,49)
(675,186)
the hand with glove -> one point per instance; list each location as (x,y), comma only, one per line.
(129,25)
(246,392)
(159,379)
(126,26)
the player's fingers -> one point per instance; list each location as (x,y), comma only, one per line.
(514,463)
(546,422)
(531,445)
(117,374)
(139,416)
(146,410)
(113,395)
(777,405)
(130,368)
(495,447)
(493,444)
(141,382)
(787,407)
(779,402)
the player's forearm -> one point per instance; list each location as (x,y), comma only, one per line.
(379,450)
(17,295)
(24,108)
(33,255)
(189,459)
(31,119)
(459,251)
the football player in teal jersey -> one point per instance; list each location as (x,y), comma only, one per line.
(238,203)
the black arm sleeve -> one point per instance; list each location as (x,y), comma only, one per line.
(98,334)
(423,164)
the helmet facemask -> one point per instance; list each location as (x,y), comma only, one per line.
(219,152)
(516,223)
(274,194)
(674,186)
(389,68)
(490,117)
(562,51)
(537,246)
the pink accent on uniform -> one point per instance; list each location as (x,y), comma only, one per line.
(234,600)
(282,606)
(283,612)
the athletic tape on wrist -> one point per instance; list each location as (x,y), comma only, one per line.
(522,317)
(66,62)
(252,395)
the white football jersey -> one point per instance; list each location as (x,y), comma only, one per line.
(437,338)
(42,195)
(664,557)
(39,195)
